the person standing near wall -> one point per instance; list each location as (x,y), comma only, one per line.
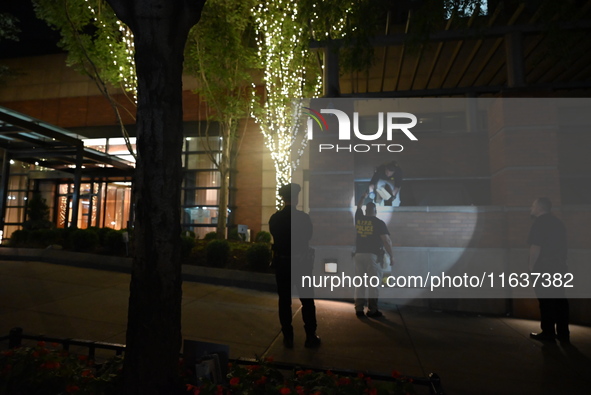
(372,237)
(292,230)
(547,255)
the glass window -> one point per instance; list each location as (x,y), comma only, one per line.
(204,179)
(17,182)
(15,215)
(200,215)
(200,197)
(200,161)
(16,198)
(202,143)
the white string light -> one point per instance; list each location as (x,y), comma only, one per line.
(282,45)
(126,67)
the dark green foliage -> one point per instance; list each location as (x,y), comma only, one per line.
(65,234)
(187,245)
(113,241)
(210,236)
(84,240)
(258,257)
(42,238)
(19,238)
(37,213)
(217,253)
(102,233)
(234,235)
(189,233)
(263,237)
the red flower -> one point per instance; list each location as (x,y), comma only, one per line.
(360,375)
(285,391)
(396,374)
(234,381)
(82,357)
(50,365)
(329,373)
(219,390)
(261,381)
(8,353)
(191,387)
(269,359)
(87,373)
(253,367)
(344,381)
(41,344)
(55,345)
(300,390)
(72,388)
(371,391)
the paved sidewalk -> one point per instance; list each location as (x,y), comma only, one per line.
(472,354)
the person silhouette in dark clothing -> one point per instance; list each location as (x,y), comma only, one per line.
(292,230)
(547,255)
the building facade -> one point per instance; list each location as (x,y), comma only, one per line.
(469,182)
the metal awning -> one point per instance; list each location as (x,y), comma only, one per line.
(31,140)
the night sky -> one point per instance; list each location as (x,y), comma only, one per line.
(35,38)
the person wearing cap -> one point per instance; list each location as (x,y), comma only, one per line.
(372,236)
(385,184)
(292,249)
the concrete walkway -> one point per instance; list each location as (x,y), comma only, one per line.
(472,354)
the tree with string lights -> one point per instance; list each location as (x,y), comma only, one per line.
(160,30)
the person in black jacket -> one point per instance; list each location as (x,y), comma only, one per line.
(385,184)
(547,255)
(292,230)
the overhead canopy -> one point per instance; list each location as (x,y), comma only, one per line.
(33,141)
(513,46)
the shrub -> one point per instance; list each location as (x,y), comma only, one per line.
(187,245)
(42,238)
(258,257)
(210,236)
(263,237)
(189,233)
(84,240)
(102,234)
(37,214)
(234,235)
(19,238)
(217,253)
(113,241)
(64,235)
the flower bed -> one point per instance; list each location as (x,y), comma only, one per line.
(48,370)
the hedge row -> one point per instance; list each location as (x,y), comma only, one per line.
(93,239)
(207,252)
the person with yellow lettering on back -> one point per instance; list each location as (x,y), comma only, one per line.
(372,237)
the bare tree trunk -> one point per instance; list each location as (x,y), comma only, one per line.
(160,28)
(224,168)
